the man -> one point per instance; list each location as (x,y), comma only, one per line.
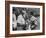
(20,22)
(34,21)
(14,23)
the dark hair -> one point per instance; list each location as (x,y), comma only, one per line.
(14,10)
(31,13)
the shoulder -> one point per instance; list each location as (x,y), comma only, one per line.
(33,17)
(20,16)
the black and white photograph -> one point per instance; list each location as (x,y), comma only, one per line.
(25,18)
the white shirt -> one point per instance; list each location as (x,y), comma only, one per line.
(20,19)
(34,19)
(14,22)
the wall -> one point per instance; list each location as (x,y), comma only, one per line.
(2,19)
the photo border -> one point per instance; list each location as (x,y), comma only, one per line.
(23,31)
(7,18)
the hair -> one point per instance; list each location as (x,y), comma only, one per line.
(31,13)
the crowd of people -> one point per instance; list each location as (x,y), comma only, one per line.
(23,19)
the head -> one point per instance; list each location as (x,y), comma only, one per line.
(32,13)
